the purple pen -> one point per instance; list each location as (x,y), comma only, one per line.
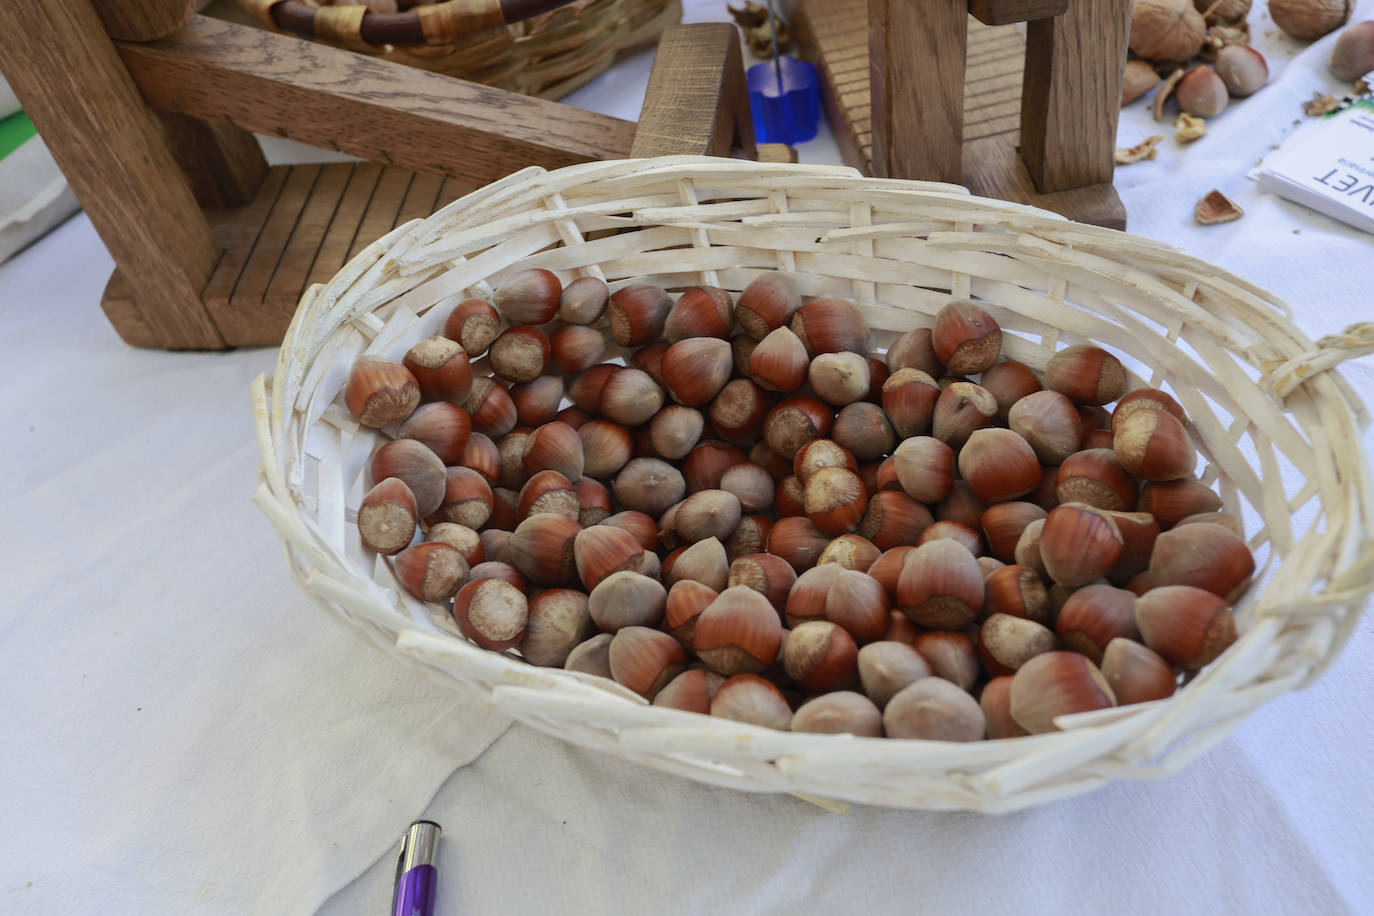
(416,874)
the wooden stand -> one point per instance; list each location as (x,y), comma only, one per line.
(922,89)
(212,248)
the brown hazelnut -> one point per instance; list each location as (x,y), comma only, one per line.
(496,569)
(767,303)
(649,485)
(940,585)
(1139,530)
(1172,500)
(737,412)
(798,541)
(1189,626)
(796,421)
(387,517)
(640,525)
(925,468)
(418,466)
(1201,92)
(1049,421)
(821,453)
(505,509)
(1137,674)
(583,301)
(893,519)
(1086,375)
(1078,544)
(520,353)
(1017,591)
(1204,556)
(886,667)
(841,713)
(606,447)
(750,537)
(627,599)
(707,463)
(1145,399)
(1095,476)
(707,514)
(690,691)
(576,348)
(585,389)
(630,397)
(536,402)
(966,338)
(771,576)
(548,492)
(645,660)
(461,538)
(703,562)
(1353,54)
(750,699)
(481,455)
(835,500)
(1093,616)
(1154,445)
(1002,524)
(675,430)
(686,600)
(958,532)
(739,632)
(492,613)
(1008,382)
(779,362)
(962,408)
(380,393)
(1027,551)
(490,407)
(702,311)
(789,499)
(592,656)
(851,551)
(934,709)
(637,314)
(961,505)
(554,446)
(529,297)
(864,430)
(838,378)
(1056,684)
(996,703)
(557,622)
(953,656)
(830,326)
(1005,643)
(908,397)
(998,465)
(441,369)
(474,324)
(431,572)
(601,550)
(821,656)
(542,549)
(695,370)
(1242,69)
(914,350)
(751,485)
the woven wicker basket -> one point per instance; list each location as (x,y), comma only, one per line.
(1278,432)
(549,55)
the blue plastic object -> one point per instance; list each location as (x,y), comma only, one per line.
(785,99)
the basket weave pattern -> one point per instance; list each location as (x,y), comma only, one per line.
(1278,432)
(548,56)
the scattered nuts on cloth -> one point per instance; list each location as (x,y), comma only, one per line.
(1215,208)
(1146,149)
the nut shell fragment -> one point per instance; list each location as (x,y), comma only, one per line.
(1215,208)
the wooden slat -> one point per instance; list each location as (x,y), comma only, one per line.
(236,231)
(1005,12)
(420,198)
(115,155)
(697,101)
(338,241)
(223,163)
(291,273)
(272,241)
(917,55)
(1072,94)
(222,72)
(382,209)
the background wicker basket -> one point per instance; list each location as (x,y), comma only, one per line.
(549,55)
(1278,432)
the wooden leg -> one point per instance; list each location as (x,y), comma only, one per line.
(697,101)
(1005,12)
(223,163)
(1071,96)
(112,150)
(916,60)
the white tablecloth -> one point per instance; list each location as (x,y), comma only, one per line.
(183,732)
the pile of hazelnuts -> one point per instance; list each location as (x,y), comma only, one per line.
(753,518)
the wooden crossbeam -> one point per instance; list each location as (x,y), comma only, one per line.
(697,101)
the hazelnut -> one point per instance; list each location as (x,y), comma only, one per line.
(887,568)
(908,398)
(387,517)
(1002,525)
(601,550)
(1027,551)
(955,531)
(779,362)
(1093,616)
(1087,375)
(1145,399)
(892,519)
(1154,445)
(934,709)
(637,314)
(789,499)
(961,505)
(940,585)
(925,468)
(1242,69)
(520,354)
(380,392)
(1138,78)
(739,632)
(707,463)
(418,466)
(1189,626)
(695,370)
(548,492)
(966,338)
(1204,556)
(989,565)
(536,402)
(1201,92)
(1353,54)
(838,378)
(1224,519)
(841,713)
(1172,500)
(557,621)
(441,369)
(690,691)
(585,389)
(737,412)
(490,407)
(641,526)
(850,551)
(542,549)
(750,699)
(606,447)
(703,562)
(686,600)
(798,541)
(1008,382)
(751,485)
(497,569)
(492,613)
(554,447)
(742,346)
(529,297)
(821,656)
(583,301)
(998,465)
(461,538)
(1308,20)
(901,630)
(962,408)
(505,509)
(767,303)
(474,324)
(1166,30)
(431,572)
(809,595)
(914,350)
(885,668)
(1078,544)
(1137,674)
(821,453)
(481,455)
(707,514)
(627,599)
(769,575)
(864,430)
(996,703)
(1095,476)
(952,655)
(835,500)
(511,448)
(645,660)
(1017,591)
(750,537)
(675,430)
(576,348)
(830,326)
(592,656)
(702,311)
(795,422)
(649,485)
(1056,684)
(630,397)
(1049,421)
(1139,530)
(1005,643)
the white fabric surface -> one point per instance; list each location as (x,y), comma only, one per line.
(184,732)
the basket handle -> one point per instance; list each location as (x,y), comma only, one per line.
(438,23)
(1330,352)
